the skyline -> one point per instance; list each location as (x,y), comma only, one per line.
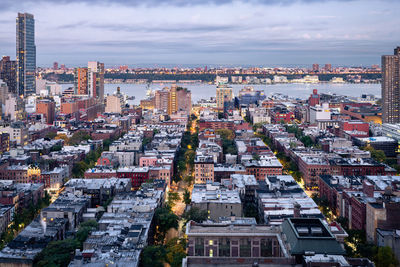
(231,33)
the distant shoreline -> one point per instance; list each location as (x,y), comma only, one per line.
(244,84)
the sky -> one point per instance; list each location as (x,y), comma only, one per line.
(147,33)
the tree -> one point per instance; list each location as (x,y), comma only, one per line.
(186,197)
(256,156)
(79,168)
(256,126)
(145,141)
(181,166)
(153,256)
(56,148)
(189,179)
(78,137)
(106,144)
(229,147)
(173,196)
(91,223)
(82,234)
(225,134)
(164,220)
(57,253)
(62,137)
(175,252)
(50,135)
(195,214)
(385,258)
(190,156)
(307,141)
(378,155)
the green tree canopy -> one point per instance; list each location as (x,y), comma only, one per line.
(186,197)
(195,214)
(50,135)
(225,134)
(57,253)
(78,137)
(165,220)
(378,155)
(385,258)
(176,251)
(153,256)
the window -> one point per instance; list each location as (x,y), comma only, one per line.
(266,247)
(224,247)
(245,247)
(199,247)
(211,242)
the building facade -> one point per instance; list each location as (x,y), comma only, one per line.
(224,94)
(80,81)
(26,54)
(391,87)
(46,107)
(96,80)
(8,73)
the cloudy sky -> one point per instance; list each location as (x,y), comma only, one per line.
(212,32)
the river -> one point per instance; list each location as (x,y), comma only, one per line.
(201,90)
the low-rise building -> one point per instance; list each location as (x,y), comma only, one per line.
(203,169)
(265,167)
(138,175)
(282,198)
(124,230)
(384,143)
(216,200)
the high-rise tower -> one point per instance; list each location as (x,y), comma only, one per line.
(26,54)
(8,73)
(81,81)
(391,87)
(96,80)
(224,94)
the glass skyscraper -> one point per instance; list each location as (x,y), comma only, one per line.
(26,54)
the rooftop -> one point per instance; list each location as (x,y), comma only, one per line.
(215,194)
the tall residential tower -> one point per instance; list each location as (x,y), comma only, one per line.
(391,87)
(8,73)
(26,54)
(224,94)
(96,80)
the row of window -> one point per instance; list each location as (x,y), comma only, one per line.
(267,248)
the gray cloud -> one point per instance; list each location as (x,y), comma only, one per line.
(212,31)
(193,28)
(11,4)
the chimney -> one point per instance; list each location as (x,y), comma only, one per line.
(368,188)
(296,210)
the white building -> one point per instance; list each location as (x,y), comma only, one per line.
(30,104)
(113,104)
(125,158)
(18,133)
(320,113)
(13,107)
